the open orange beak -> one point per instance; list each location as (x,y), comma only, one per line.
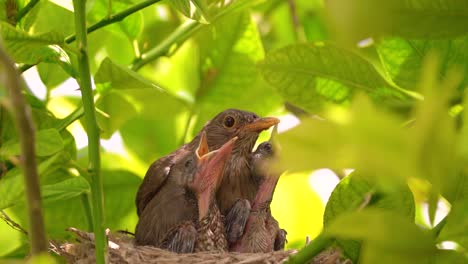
(261,124)
(211,163)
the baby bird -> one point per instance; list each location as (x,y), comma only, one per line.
(261,232)
(202,229)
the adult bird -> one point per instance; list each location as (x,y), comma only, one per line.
(160,193)
(202,228)
(261,232)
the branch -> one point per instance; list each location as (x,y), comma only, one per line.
(24,123)
(94,159)
(102,23)
(114,18)
(179,36)
(23,12)
(12,223)
(184,32)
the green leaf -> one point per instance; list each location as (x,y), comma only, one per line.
(150,139)
(371,141)
(65,189)
(309,75)
(194,9)
(457,224)
(31,49)
(424,19)
(229,51)
(403,58)
(391,235)
(51,74)
(120,188)
(433,135)
(112,104)
(136,95)
(49,17)
(131,26)
(120,77)
(48,142)
(12,184)
(356,191)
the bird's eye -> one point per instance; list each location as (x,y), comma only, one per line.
(229,121)
(188,163)
(267,147)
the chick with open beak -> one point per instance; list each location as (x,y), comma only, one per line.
(202,175)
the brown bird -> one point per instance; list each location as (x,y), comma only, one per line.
(200,176)
(262,232)
(160,196)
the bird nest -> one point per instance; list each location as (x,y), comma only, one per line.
(123,250)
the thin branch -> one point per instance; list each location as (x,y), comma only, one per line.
(24,123)
(12,223)
(23,12)
(114,18)
(179,36)
(184,32)
(94,158)
(110,19)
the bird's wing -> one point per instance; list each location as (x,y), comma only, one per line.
(236,219)
(168,208)
(154,179)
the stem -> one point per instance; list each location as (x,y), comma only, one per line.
(26,10)
(310,251)
(114,18)
(24,123)
(94,159)
(68,120)
(86,202)
(179,36)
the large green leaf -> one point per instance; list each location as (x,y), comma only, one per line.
(27,48)
(394,237)
(65,189)
(47,16)
(48,142)
(403,58)
(353,192)
(135,96)
(309,75)
(149,139)
(359,19)
(229,51)
(12,184)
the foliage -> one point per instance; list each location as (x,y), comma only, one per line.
(379,88)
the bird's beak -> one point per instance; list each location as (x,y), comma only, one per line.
(261,124)
(211,164)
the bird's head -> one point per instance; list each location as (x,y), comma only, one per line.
(205,167)
(237,123)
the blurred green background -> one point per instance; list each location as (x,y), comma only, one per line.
(365,85)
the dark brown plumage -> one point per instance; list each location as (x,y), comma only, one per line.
(161,199)
(199,175)
(262,232)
